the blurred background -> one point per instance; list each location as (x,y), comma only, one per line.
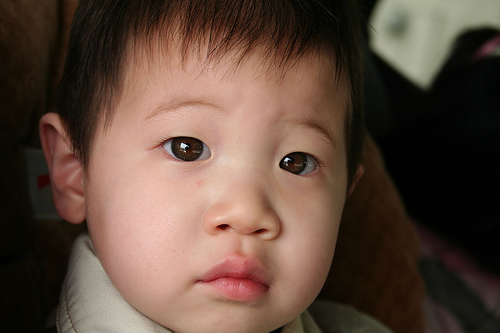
(433,106)
(415,37)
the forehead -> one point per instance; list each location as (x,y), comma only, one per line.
(144,52)
(311,75)
(274,63)
(167,55)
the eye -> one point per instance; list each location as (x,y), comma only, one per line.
(186,149)
(298,163)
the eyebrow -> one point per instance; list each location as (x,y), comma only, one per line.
(318,126)
(172,104)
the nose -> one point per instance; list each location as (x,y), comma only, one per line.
(244,210)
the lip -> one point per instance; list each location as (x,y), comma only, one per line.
(237,279)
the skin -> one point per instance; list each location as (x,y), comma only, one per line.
(161,227)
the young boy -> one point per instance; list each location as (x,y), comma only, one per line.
(210,146)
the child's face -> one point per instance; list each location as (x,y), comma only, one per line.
(240,239)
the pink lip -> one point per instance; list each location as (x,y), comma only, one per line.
(237,279)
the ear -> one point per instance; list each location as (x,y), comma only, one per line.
(65,170)
(359,173)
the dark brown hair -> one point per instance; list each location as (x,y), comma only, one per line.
(284,30)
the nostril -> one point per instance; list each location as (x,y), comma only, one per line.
(223,226)
(260,231)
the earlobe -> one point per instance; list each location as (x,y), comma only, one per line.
(359,173)
(65,170)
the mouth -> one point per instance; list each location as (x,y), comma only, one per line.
(237,279)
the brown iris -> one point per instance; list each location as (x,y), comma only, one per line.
(295,163)
(186,148)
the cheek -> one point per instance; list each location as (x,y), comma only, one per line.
(314,226)
(132,221)
(313,260)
